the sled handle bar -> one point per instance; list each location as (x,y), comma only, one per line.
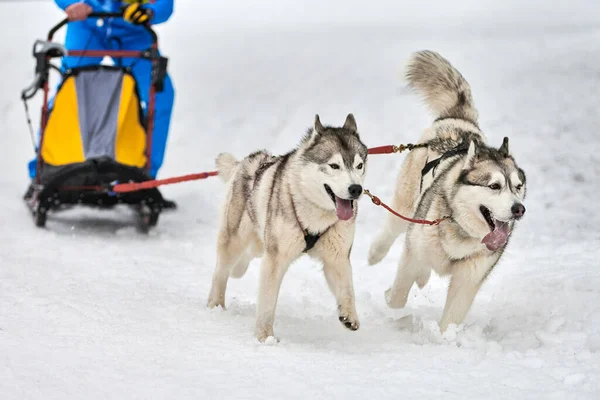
(65,21)
(32,89)
(42,50)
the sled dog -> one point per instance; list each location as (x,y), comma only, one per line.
(280,207)
(457,174)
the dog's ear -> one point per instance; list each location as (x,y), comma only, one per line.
(471,155)
(312,134)
(350,123)
(318,127)
(504,148)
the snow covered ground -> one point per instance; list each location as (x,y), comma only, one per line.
(89,308)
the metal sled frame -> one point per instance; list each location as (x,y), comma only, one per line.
(42,198)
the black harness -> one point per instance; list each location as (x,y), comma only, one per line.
(311,240)
(461,148)
(433,164)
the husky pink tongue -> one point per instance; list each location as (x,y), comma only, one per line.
(343,208)
(496,238)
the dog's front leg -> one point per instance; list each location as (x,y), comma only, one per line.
(467,277)
(273,268)
(338,272)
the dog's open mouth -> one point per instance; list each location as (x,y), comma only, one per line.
(499,230)
(343,207)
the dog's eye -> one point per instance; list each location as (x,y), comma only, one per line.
(334,166)
(359,166)
(519,186)
(495,186)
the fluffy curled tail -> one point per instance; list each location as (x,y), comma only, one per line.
(226,164)
(444,89)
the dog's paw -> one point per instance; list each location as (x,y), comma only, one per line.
(263,332)
(212,303)
(268,341)
(350,322)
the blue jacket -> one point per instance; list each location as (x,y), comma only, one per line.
(162,10)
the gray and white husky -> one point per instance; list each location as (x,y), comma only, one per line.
(481,188)
(279,207)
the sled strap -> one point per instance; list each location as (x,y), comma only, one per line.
(378,202)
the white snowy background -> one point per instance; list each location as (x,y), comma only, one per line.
(90,308)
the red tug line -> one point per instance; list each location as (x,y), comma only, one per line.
(132,187)
(135,186)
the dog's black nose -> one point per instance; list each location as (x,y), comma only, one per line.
(355,190)
(518,210)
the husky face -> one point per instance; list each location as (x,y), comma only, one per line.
(335,164)
(490,194)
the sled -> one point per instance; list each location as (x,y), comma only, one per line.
(95,133)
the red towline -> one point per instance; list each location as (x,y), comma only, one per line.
(135,186)
(132,187)
(388,149)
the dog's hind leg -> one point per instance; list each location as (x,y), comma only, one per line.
(229,249)
(386,237)
(406,275)
(338,273)
(240,267)
(253,250)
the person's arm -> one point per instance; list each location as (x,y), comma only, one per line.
(161,10)
(77,10)
(63,4)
